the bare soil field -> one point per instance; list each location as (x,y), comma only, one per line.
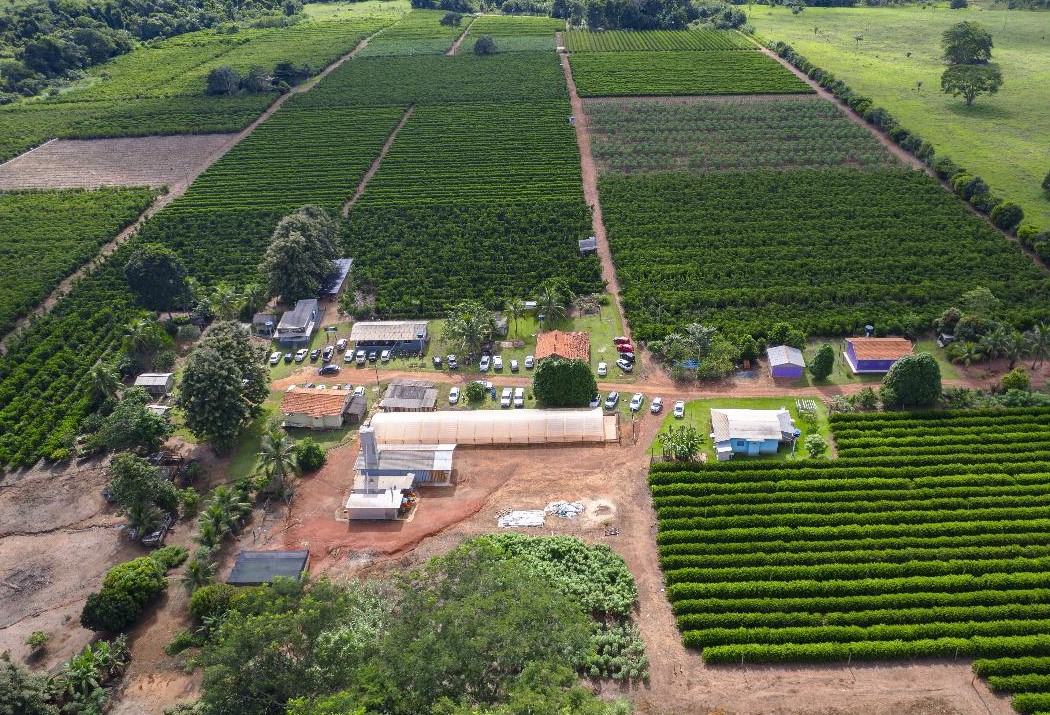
(91,163)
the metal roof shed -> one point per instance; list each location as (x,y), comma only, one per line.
(258,567)
(479,427)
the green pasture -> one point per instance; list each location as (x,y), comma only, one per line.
(893,56)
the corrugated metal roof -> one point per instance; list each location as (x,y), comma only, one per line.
(387,330)
(299,316)
(880,348)
(416,457)
(752,425)
(409,395)
(255,567)
(785,355)
(153,379)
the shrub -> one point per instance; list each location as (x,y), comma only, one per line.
(126,590)
(168,557)
(945,168)
(1016,379)
(452,19)
(109,611)
(485,45)
(1027,233)
(181,641)
(474,391)
(164,360)
(1046,185)
(37,639)
(959,4)
(914,380)
(310,455)
(211,601)
(815,446)
(1007,215)
(823,363)
(564,383)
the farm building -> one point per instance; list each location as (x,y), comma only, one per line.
(409,396)
(480,427)
(428,464)
(156,383)
(335,282)
(557,343)
(254,568)
(297,325)
(750,432)
(378,493)
(264,324)
(875,354)
(401,337)
(312,408)
(355,413)
(785,361)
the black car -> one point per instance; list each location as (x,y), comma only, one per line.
(327,354)
(373,356)
(329,370)
(287,357)
(314,354)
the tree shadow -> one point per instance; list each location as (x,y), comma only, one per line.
(982,108)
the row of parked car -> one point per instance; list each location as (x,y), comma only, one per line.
(637,400)
(625,361)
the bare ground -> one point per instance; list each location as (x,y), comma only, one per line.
(463,35)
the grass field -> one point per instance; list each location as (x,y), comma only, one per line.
(418,33)
(626,74)
(514,33)
(694,134)
(1003,138)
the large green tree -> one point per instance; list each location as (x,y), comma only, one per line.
(971,81)
(823,363)
(914,380)
(468,325)
(223,385)
(300,254)
(132,425)
(134,483)
(158,277)
(966,43)
(564,383)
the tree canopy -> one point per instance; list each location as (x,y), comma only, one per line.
(966,43)
(158,277)
(131,425)
(823,363)
(299,257)
(468,325)
(913,380)
(971,81)
(564,383)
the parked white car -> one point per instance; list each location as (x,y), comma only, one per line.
(348,356)
(301,354)
(530,362)
(340,344)
(603,369)
(385,356)
(505,397)
(656,405)
(636,401)
(611,400)
(453,396)
(679,409)
(596,400)
(486,362)
(275,357)
(497,363)
(513,365)
(361,357)
(519,396)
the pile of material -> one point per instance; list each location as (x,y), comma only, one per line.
(564,509)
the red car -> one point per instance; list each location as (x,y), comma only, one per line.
(625,348)
(621,340)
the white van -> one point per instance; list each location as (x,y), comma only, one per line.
(505,396)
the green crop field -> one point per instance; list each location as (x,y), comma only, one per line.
(937,548)
(514,33)
(399,81)
(46,235)
(640,135)
(624,74)
(828,251)
(621,40)
(1003,138)
(420,32)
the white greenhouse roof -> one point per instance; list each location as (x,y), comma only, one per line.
(490,427)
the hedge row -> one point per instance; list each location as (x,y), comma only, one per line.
(1028,437)
(1031,703)
(890,450)
(1011,666)
(880,650)
(1028,683)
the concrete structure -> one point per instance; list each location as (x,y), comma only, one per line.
(156,383)
(556,343)
(785,361)
(377,493)
(409,396)
(875,354)
(297,325)
(254,568)
(750,432)
(477,427)
(312,408)
(400,337)
(335,282)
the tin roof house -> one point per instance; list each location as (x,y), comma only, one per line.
(750,432)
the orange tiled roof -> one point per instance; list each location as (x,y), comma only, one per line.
(314,402)
(880,348)
(572,346)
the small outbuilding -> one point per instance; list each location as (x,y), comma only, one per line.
(875,355)
(750,432)
(297,325)
(264,324)
(334,283)
(156,383)
(785,361)
(561,344)
(409,396)
(400,337)
(312,408)
(254,568)
(588,246)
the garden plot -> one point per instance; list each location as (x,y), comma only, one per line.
(89,164)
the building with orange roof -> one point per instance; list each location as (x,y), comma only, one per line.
(867,355)
(569,346)
(314,408)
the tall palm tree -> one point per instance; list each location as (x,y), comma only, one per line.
(254,297)
(144,519)
(225,301)
(1039,340)
(550,304)
(105,381)
(967,353)
(514,308)
(277,461)
(200,571)
(1016,348)
(468,325)
(234,507)
(995,343)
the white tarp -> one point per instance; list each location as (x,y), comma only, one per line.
(490,427)
(531,517)
(564,509)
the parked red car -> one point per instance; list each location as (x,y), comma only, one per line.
(621,340)
(625,348)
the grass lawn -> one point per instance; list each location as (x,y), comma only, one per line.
(335,11)
(1003,138)
(698,414)
(842,375)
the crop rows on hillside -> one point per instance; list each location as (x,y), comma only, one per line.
(46,235)
(24,126)
(828,251)
(511,152)
(861,559)
(420,32)
(295,158)
(626,74)
(463,79)
(693,134)
(514,33)
(653,40)
(420,259)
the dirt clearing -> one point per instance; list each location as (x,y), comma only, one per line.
(91,163)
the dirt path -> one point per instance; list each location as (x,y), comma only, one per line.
(378,160)
(455,45)
(174,191)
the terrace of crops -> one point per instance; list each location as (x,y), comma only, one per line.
(926,537)
(696,134)
(653,40)
(418,33)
